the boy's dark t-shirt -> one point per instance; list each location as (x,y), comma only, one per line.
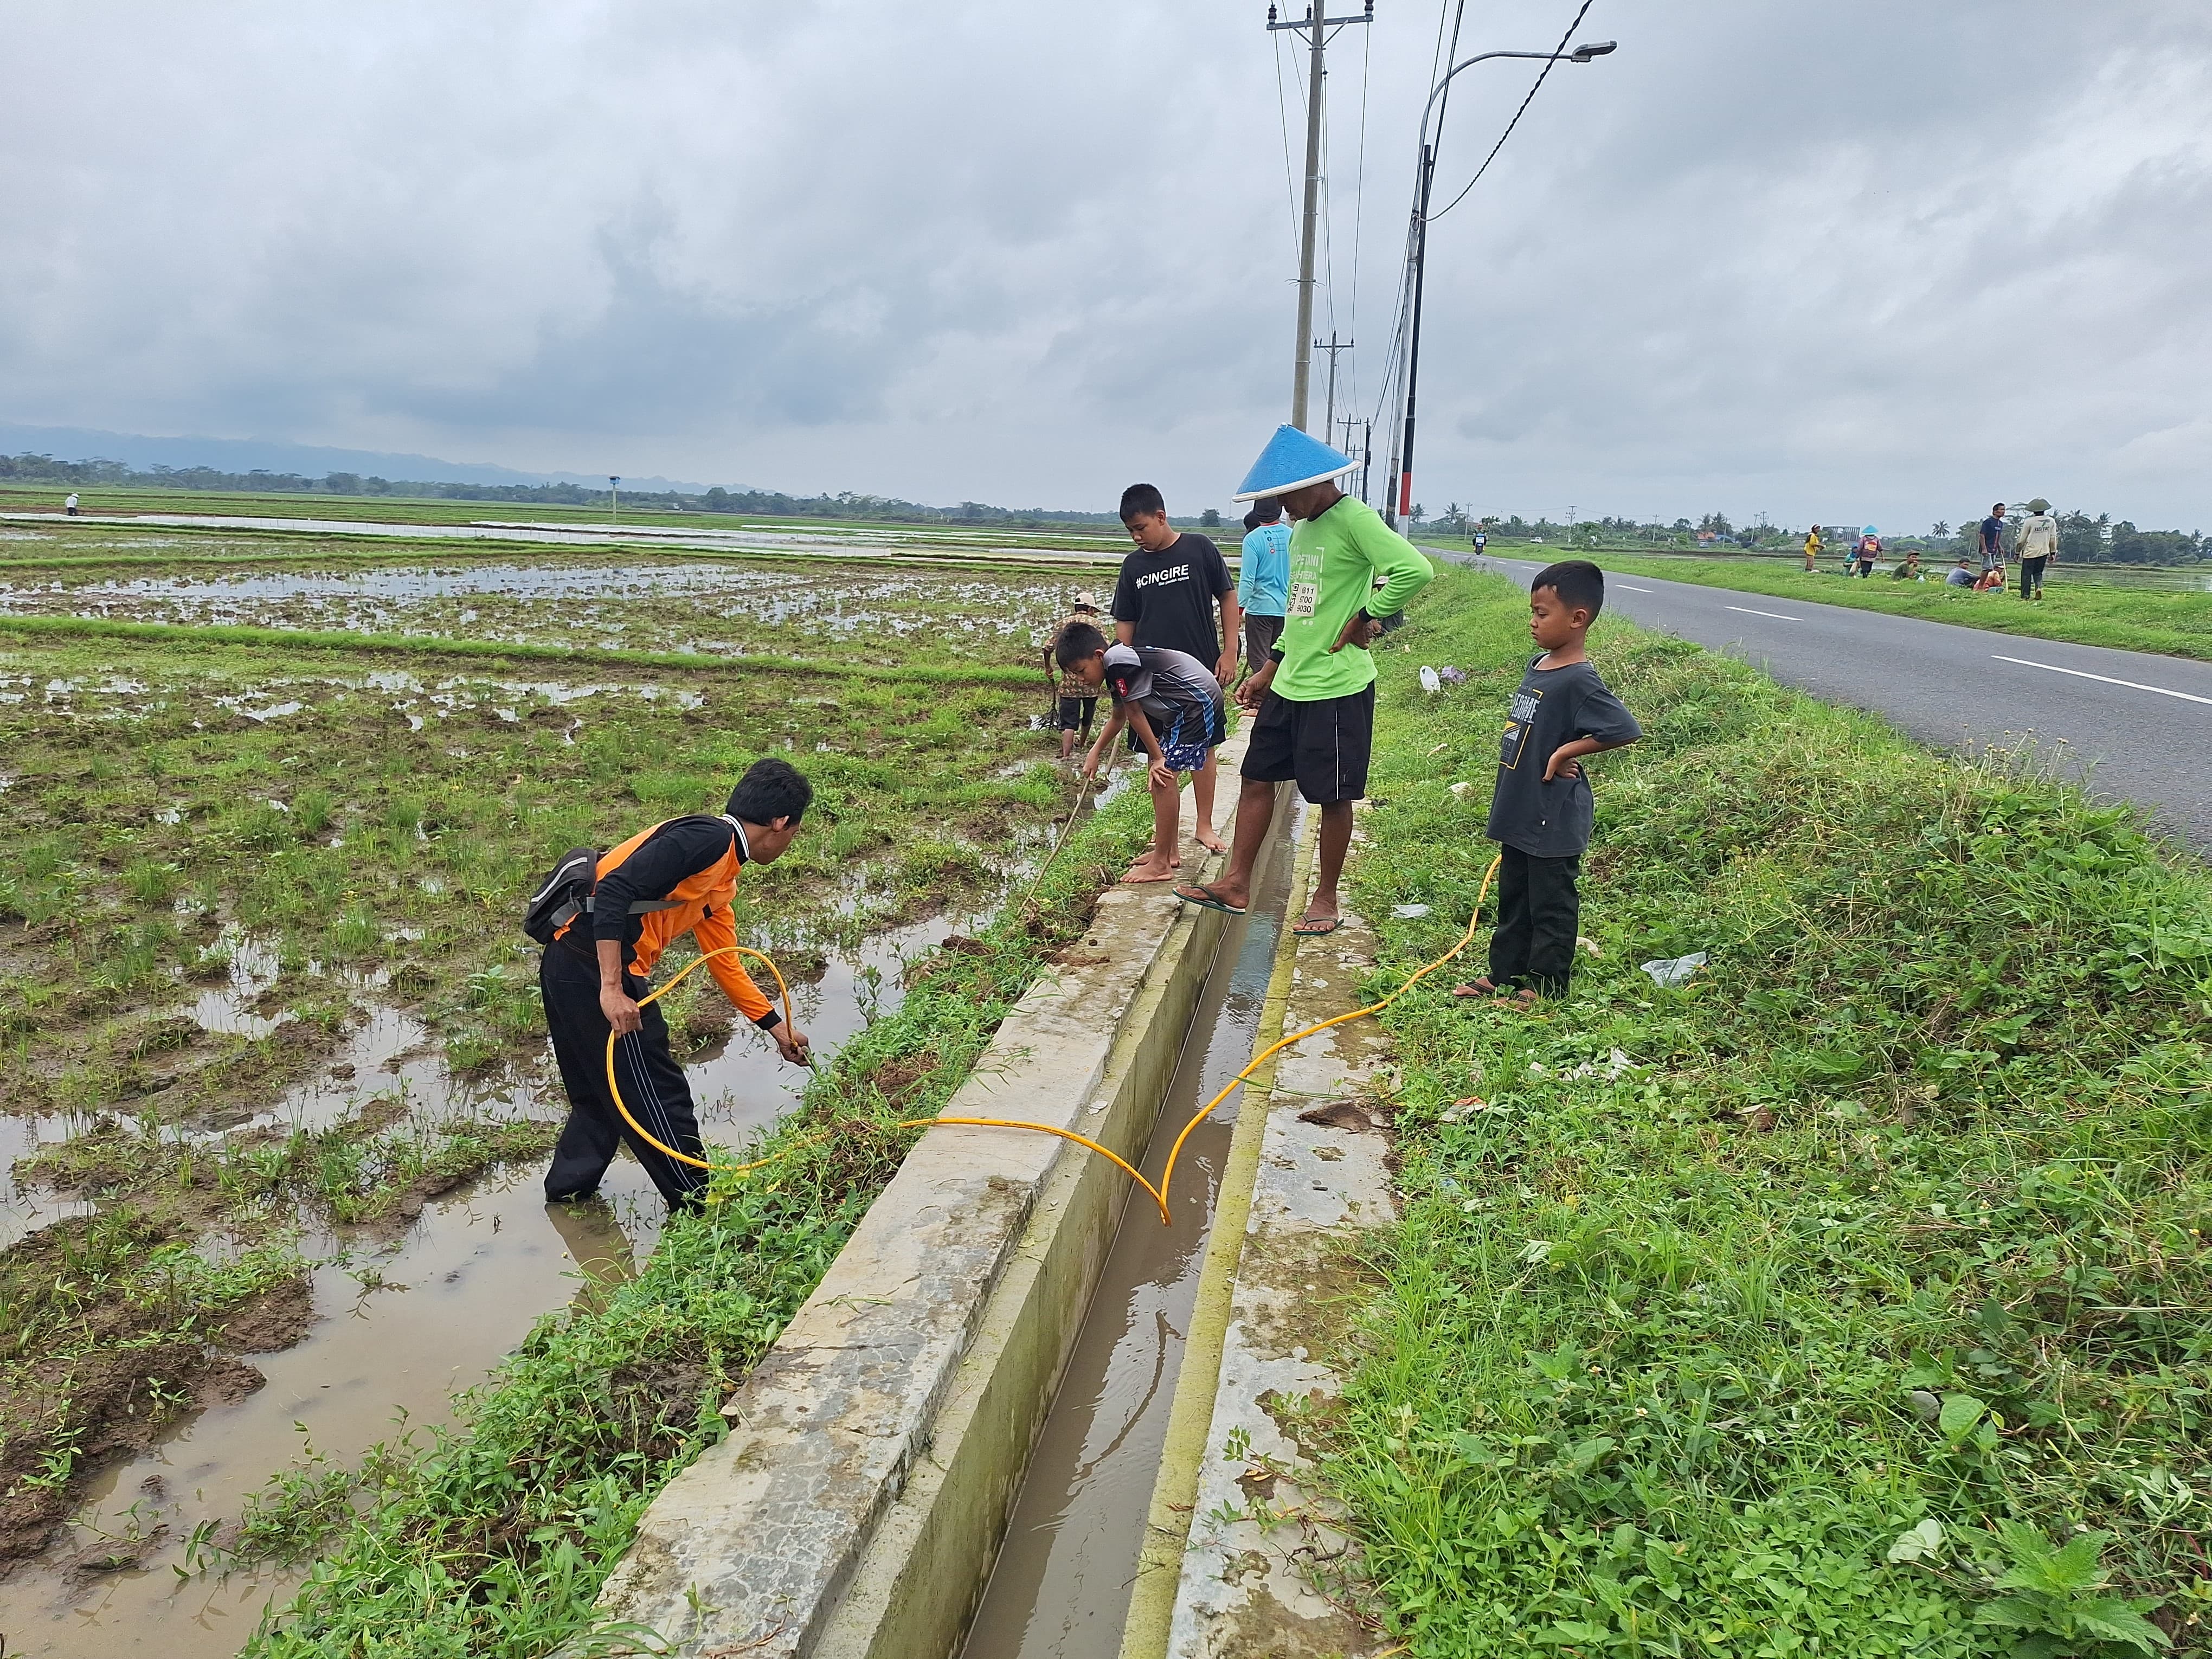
(1170,596)
(1552,706)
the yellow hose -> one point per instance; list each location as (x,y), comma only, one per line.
(1158,1195)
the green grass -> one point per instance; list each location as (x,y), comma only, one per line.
(2178,624)
(494,1539)
(1896,1215)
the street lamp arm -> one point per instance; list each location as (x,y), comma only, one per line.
(1436,91)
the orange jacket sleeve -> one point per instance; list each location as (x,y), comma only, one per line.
(717,930)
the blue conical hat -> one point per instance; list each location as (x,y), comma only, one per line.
(1291,460)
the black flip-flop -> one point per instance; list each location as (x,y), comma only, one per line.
(1211,900)
(1317,926)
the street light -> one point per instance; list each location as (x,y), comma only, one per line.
(614,487)
(1402,499)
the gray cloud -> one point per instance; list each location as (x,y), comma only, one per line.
(1878,262)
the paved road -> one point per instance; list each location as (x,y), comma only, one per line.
(2135,726)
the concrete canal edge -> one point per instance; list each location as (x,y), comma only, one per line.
(1308,1171)
(856,1507)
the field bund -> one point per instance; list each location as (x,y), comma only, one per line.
(856,1506)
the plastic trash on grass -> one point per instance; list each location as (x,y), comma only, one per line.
(1670,971)
(1430,680)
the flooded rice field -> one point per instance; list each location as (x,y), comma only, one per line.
(276,1099)
(722,609)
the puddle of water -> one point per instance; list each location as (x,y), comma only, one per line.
(1060,1589)
(476,1270)
(24,1210)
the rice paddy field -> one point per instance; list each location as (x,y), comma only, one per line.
(276,1094)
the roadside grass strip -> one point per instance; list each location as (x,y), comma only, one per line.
(2177,624)
(493,1539)
(1853,1298)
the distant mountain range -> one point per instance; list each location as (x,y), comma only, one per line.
(72,443)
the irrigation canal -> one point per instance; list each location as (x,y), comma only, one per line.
(1060,1589)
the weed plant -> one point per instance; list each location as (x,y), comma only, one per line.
(1812,1307)
(493,1539)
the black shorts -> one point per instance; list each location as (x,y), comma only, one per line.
(1324,746)
(1074,714)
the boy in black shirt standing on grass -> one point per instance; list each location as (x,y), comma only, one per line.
(1170,586)
(1541,813)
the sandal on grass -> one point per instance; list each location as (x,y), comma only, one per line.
(1483,987)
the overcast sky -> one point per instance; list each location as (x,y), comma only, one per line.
(1878,262)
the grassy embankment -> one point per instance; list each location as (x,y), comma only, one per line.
(493,1541)
(312,830)
(2178,624)
(1810,1308)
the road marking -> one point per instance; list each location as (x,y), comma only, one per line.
(1776,615)
(1633,588)
(2083,674)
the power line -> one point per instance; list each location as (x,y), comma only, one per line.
(1518,114)
(1360,203)
(1289,177)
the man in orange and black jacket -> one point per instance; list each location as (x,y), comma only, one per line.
(595,971)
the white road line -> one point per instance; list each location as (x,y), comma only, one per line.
(1632,588)
(2083,674)
(1776,615)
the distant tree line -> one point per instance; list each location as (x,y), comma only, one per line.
(2081,538)
(758,503)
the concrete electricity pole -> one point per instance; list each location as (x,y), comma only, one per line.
(1314,28)
(1334,346)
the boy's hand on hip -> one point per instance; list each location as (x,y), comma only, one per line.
(1563,765)
(620,1012)
(1360,631)
(793,1045)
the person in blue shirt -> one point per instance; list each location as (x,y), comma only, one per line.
(1263,580)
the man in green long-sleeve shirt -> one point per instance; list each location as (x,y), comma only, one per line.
(1315,697)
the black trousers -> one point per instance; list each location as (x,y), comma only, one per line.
(652,1087)
(2030,576)
(1539,911)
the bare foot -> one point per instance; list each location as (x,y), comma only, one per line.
(1212,842)
(1148,869)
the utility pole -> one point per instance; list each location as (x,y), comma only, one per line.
(1314,28)
(1366,455)
(614,487)
(1332,347)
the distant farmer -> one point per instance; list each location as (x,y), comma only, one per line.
(1263,581)
(1869,549)
(1316,696)
(1812,548)
(1074,701)
(2038,545)
(1993,530)
(1907,570)
(674,878)
(69,505)
(1170,586)
(1962,574)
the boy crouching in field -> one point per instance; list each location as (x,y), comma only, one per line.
(1171,704)
(1541,810)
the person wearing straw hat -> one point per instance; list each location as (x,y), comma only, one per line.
(1315,694)
(2038,545)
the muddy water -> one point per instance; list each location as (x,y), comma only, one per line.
(399,1325)
(1060,1589)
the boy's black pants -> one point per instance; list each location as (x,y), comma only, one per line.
(653,1086)
(1538,913)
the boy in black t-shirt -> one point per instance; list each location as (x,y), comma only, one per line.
(1540,812)
(1170,587)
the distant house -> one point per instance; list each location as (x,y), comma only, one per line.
(1707,538)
